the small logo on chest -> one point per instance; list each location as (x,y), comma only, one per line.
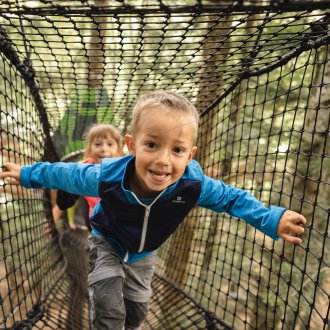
(179,200)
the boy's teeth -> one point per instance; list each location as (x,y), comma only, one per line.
(160,175)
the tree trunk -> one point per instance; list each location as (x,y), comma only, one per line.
(313,167)
(95,51)
(310,183)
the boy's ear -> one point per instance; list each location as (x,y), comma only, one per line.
(130,144)
(192,153)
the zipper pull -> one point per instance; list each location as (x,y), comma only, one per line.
(148,210)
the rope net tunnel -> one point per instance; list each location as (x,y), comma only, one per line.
(258,73)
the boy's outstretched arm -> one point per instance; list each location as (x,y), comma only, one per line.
(290,224)
(11,173)
(75,178)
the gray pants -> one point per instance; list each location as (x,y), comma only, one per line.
(119,292)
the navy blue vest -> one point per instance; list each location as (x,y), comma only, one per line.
(123,221)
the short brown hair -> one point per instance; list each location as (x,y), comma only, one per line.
(169,100)
(102,131)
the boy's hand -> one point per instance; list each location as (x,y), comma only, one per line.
(291,223)
(11,173)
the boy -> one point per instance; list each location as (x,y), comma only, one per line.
(144,197)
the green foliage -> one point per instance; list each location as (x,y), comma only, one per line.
(84,109)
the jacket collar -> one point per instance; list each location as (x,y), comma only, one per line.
(129,168)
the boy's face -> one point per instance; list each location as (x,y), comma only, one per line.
(103,148)
(163,145)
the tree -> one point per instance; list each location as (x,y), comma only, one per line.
(310,186)
(91,99)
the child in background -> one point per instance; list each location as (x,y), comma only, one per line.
(144,197)
(102,141)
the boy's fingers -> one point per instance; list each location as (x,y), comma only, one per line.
(299,229)
(301,220)
(9,174)
(11,181)
(292,239)
(296,217)
(294,229)
(4,175)
(7,167)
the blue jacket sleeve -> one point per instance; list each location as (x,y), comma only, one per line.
(75,178)
(219,197)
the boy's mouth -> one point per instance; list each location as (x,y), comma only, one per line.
(158,176)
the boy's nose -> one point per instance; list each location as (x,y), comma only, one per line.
(164,157)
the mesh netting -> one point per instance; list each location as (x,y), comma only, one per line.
(259,74)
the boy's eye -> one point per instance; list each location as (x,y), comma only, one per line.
(151,145)
(177,150)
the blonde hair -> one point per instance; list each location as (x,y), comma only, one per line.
(169,101)
(102,131)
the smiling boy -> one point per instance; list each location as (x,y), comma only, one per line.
(144,197)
